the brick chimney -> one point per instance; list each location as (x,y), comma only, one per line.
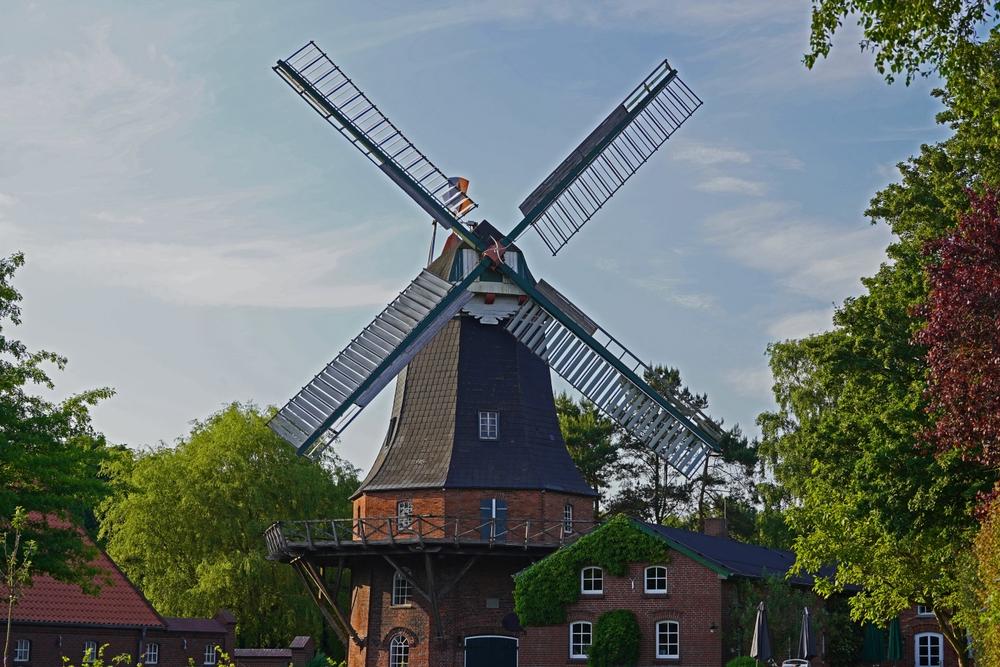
(716,527)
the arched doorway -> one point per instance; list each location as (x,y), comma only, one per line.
(490,651)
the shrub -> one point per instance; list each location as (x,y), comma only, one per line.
(742,661)
(616,640)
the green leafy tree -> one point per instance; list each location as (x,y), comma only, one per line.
(590,439)
(616,640)
(894,517)
(16,567)
(186,523)
(50,455)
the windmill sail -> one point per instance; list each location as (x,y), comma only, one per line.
(325,406)
(601,164)
(609,375)
(328,90)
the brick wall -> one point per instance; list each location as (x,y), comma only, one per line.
(694,599)
(49,643)
(911,625)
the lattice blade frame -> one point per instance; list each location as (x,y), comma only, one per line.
(334,96)
(608,374)
(321,410)
(578,188)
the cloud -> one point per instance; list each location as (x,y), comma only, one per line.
(118,218)
(750,381)
(305,271)
(800,325)
(7,200)
(732,185)
(704,155)
(808,256)
(671,290)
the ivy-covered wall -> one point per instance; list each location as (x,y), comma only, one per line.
(543,590)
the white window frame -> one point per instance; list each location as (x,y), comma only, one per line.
(924,610)
(402,590)
(399,651)
(646,577)
(584,579)
(663,648)
(404,514)
(22,650)
(940,649)
(579,650)
(92,647)
(211,656)
(489,425)
(151,656)
(568,518)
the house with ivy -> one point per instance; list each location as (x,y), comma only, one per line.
(635,593)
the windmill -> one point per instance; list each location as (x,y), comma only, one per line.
(534,313)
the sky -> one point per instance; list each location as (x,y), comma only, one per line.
(195,234)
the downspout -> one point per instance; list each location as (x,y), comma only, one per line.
(142,642)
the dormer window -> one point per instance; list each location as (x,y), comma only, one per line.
(489,425)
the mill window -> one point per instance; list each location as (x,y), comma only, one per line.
(489,425)
(580,638)
(22,650)
(402,592)
(568,518)
(592,580)
(656,579)
(668,639)
(404,514)
(399,651)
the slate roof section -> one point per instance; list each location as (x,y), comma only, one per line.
(735,558)
(119,603)
(433,436)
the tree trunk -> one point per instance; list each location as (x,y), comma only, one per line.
(701,495)
(955,639)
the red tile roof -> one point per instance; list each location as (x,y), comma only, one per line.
(118,602)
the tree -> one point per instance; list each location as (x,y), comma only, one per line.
(590,439)
(851,402)
(187,522)
(50,455)
(962,334)
(16,568)
(910,38)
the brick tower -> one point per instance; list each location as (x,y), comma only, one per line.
(471,484)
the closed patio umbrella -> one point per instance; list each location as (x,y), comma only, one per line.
(895,650)
(760,649)
(807,640)
(873,647)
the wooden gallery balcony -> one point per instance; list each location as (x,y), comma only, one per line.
(288,540)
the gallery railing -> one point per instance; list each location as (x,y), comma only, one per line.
(336,533)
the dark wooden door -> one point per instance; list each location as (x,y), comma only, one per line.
(490,652)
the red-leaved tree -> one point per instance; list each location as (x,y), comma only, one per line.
(962,335)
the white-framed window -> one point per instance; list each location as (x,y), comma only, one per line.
(399,651)
(580,638)
(210,656)
(404,514)
(22,650)
(924,610)
(928,649)
(568,518)
(402,591)
(152,655)
(655,579)
(591,580)
(89,652)
(668,639)
(489,425)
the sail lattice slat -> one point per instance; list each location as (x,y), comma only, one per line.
(606,159)
(328,90)
(679,433)
(325,406)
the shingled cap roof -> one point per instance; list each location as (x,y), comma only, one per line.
(433,435)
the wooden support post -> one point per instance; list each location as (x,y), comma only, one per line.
(331,612)
(424,594)
(447,588)
(435,610)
